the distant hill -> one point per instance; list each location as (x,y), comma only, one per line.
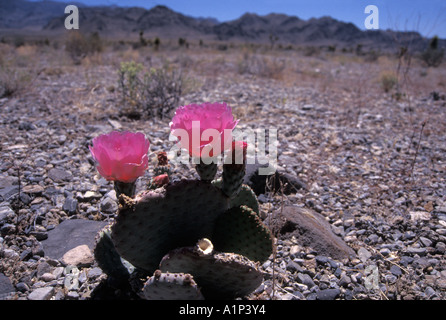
(114,21)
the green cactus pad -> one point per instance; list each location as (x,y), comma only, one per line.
(171,286)
(240,230)
(232,179)
(206,172)
(155,222)
(108,259)
(246,196)
(220,275)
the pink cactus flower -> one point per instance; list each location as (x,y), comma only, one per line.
(205,130)
(121,156)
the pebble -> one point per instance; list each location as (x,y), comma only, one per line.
(78,256)
(41,293)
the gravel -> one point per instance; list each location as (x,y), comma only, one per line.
(362,168)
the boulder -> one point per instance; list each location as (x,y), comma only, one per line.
(70,234)
(311,230)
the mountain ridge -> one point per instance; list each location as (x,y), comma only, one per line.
(115,21)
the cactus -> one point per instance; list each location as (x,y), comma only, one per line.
(156,231)
(241,231)
(171,286)
(220,275)
(108,259)
(158,221)
(245,196)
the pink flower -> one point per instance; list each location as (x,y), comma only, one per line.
(121,156)
(204,130)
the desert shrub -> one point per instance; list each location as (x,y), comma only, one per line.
(149,93)
(79,46)
(13,81)
(261,66)
(433,56)
(388,80)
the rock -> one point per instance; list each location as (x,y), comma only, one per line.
(6,286)
(70,234)
(41,293)
(6,213)
(328,294)
(109,206)
(396,270)
(59,175)
(70,205)
(8,192)
(47,277)
(33,189)
(258,182)
(311,230)
(80,256)
(305,279)
(364,254)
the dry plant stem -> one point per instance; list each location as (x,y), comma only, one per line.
(416,151)
(269,186)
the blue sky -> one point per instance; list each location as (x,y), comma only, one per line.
(425,16)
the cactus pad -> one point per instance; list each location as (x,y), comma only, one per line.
(155,222)
(220,275)
(171,286)
(206,172)
(108,259)
(241,231)
(246,196)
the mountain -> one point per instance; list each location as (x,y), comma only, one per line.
(114,21)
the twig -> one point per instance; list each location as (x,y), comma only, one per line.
(416,151)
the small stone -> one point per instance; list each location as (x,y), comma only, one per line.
(72,295)
(10,254)
(109,206)
(33,189)
(57,272)
(59,175)
(44,293)
(22,287)
(293,267)
(47,277)
(6,286)
(94,273)
(328,294)
(345,281)
(305,279)
(70,205)
(425,241)
(90,195)
(26,254)
(419,251)
(80,256)
(396,270)
(364,254)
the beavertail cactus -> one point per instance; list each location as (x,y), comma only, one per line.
(156,231)
(171,286)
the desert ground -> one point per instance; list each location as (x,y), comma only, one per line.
(362,131)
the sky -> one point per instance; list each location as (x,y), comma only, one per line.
(425,16)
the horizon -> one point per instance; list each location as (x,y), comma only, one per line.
(427,19)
